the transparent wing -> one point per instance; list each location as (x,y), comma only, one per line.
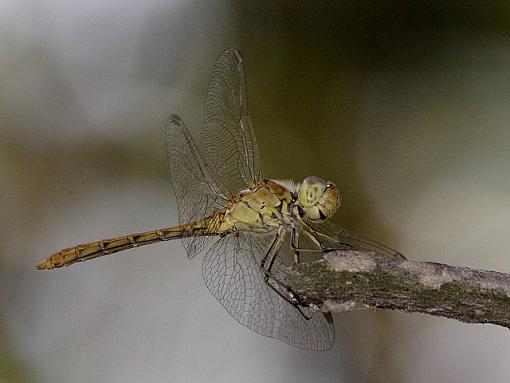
(230,270)
(337,238)
(197,194)
(229,144)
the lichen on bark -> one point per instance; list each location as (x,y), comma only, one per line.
(346,280)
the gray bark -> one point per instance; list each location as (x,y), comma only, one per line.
(345,280)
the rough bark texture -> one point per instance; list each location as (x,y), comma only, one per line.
(345,280)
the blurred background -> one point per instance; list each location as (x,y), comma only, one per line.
(406,109)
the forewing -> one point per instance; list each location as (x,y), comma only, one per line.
(196,193)
(230,270)
(229,144)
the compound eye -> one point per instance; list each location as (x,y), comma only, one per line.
(310,191)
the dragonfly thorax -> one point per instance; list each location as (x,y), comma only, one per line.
(263,208)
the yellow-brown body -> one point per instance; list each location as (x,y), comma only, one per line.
(261,209)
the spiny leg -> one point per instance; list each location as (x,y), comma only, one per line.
(269,277)
(314,234)
(264,259)
(271,254)
(290,297)
(294,244)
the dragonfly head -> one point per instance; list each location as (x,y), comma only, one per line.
(319,199)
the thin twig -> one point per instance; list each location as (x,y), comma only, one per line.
(344,280)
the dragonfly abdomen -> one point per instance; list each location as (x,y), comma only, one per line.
(97,249)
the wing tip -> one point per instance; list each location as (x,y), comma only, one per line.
(174,118)
(235,53)
(174,123)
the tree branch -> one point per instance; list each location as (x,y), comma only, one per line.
(345,280)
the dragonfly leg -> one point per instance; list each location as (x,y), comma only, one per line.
(282,289)
(350,241)
(268,252)
(314,234)
(294,244)
(288,296)
(271,253)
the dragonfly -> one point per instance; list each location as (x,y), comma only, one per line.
(249,229)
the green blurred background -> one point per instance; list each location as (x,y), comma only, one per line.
(405,106)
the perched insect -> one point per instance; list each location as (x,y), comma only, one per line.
(249,228)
